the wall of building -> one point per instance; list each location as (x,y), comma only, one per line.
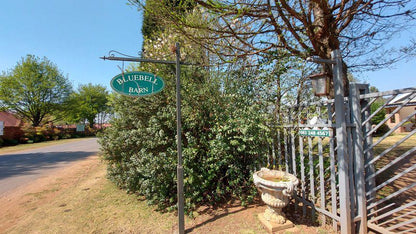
(12,133)
(399,116)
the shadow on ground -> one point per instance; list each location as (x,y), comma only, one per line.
(217,214)
(29,163)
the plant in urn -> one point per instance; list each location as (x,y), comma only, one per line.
(276,187)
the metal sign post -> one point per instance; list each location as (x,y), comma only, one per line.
(178,63)
(181,216)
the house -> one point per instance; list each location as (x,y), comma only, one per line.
(12,126)
(405,112)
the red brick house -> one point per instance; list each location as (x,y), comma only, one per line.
(12,126)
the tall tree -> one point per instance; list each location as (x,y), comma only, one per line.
(240,28)
(34,89)
(87,103)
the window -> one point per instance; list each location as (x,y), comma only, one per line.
(393,117)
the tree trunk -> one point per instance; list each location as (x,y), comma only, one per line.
(91,123)
(36,120)
(327,40)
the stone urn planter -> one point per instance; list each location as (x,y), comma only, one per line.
(276,187)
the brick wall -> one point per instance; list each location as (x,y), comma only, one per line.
(12,133)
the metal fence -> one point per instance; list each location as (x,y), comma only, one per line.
(356,174)
(390,165)
(308,146)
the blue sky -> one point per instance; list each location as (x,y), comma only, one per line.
(401,75)
(74,33)
(71,33)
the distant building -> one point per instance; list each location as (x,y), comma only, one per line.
(12,126)
(407,110)
(102,126)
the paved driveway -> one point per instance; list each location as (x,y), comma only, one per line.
(20,168)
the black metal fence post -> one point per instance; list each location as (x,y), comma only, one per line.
(181,218)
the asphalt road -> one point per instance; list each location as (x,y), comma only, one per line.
(21,168)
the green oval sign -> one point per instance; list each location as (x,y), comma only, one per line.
(137,84)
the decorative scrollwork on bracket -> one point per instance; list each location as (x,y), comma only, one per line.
(113,53)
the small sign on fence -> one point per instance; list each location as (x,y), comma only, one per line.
(314,133)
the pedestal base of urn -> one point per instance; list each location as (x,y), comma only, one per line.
(274,226)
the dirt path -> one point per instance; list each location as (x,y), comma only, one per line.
(19,202)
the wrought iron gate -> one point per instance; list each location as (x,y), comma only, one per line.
(355,172)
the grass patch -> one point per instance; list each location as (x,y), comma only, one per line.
(389,157)
(393,139)
(394,153)
(92,204)
(42,193)
(95,206)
